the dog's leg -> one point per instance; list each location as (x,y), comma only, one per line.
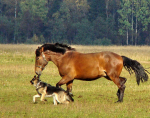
(42,97)
(36,96)
(65,99)
(54,100)
(43,94)
(61,98)
(57,97)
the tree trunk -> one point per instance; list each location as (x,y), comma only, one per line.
(132,22)
(127,38)
(136,32)
(15,20)
(107,3)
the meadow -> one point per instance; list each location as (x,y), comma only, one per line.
(94,99)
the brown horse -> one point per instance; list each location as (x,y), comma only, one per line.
(74,65)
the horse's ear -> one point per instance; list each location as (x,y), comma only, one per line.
(42,50)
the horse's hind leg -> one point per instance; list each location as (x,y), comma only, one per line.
(121,86)
(120,83)
(118,94)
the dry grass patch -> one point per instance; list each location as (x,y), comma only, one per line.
(92,99)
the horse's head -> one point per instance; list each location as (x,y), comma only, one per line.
(40,60)
(43,54)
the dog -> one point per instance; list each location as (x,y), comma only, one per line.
(46,90)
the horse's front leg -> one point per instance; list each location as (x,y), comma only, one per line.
(69,87)
(121,90)
(65,80)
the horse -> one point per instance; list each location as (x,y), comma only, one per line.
(87,66)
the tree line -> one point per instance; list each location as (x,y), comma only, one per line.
(86,22)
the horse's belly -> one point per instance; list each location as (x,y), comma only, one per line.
(90,75)
(87,78)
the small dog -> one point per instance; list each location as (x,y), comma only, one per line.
(46,90)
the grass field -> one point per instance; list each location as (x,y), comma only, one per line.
(93,99)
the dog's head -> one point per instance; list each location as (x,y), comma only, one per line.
(35,80)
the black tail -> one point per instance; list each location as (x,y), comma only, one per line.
(138,69)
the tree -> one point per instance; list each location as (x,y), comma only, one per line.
(53,6)
(75,21)
(97,8)
(84,32)
(35,38)
(125,24)
(140,17)
(9,11)
(33,15)
(6,29)
(69,13)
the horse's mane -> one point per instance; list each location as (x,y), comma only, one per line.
(57,47)
(64,46)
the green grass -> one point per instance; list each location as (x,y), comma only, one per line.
(93,99)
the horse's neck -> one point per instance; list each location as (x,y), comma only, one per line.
(55,58)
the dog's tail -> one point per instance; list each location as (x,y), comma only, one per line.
(138,69)
(69,97)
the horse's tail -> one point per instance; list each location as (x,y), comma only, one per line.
(132,65)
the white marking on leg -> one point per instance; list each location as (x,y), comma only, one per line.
(54,100)
(56,97)
(36,96)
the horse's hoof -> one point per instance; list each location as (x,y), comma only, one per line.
(71,94)
(119,101)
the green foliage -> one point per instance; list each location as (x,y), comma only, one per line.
(74,21)
(1,39)
(130,10)
(144,15)
(35,38)
(41,39)
(84,32)
(100,28)
(103,41)
(125,12)
(35,8)
(97,7)
(6,29)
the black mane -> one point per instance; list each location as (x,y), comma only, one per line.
(58,48)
